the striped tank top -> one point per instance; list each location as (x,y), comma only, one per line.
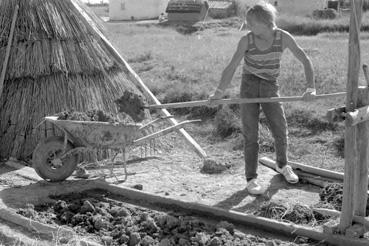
(264,63)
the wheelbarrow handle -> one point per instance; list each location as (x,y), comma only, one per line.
(154,121)
(241,101)
(164,131)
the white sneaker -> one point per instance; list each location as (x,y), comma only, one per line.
(254,188)
(288,173)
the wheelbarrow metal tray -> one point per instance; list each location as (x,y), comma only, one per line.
(97,134)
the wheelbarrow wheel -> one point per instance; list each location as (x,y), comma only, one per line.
(47,163)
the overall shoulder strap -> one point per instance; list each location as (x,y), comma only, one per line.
(278,39)
(278,34)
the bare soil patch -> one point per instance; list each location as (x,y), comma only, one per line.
(110,220)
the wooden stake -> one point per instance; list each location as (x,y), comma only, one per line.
(338,177)
(361,174)
(351,153)
(8,47)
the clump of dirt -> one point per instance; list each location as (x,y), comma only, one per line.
(90,115)
(332,194)
(131,104)
(116,222)
(212,166)
(298,214)
(226,122)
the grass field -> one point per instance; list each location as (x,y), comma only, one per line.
(171,62)
(178,67)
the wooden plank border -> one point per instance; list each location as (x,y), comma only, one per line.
(288,229)
(141,197)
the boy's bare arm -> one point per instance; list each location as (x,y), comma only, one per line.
(290,43)
(229,71)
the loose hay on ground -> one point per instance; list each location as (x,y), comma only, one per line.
(298,214)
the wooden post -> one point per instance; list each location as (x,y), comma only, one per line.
(363,145)
(361,176)
(8,47)
(351,153)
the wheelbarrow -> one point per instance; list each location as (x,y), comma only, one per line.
(55,158)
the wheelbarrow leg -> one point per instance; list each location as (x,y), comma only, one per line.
(125,164)
(123,150)
(112,166)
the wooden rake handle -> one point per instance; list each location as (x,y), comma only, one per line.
(241,101)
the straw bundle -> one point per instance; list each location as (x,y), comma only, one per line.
(57,62)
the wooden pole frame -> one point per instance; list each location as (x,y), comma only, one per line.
(351,146)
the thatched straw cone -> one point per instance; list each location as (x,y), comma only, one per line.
(57,62)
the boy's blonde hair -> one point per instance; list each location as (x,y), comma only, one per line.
(263,12)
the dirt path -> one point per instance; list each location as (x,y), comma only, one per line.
(183,179)
(175,174)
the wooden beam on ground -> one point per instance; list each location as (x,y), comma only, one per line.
(266,224)
(313,175)
(8,48)
(32,225)
(309,169)
(361,176)
(140,84)
(351,153)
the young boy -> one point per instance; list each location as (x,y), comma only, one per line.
(262,48)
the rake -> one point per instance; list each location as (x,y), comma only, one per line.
(241,101)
